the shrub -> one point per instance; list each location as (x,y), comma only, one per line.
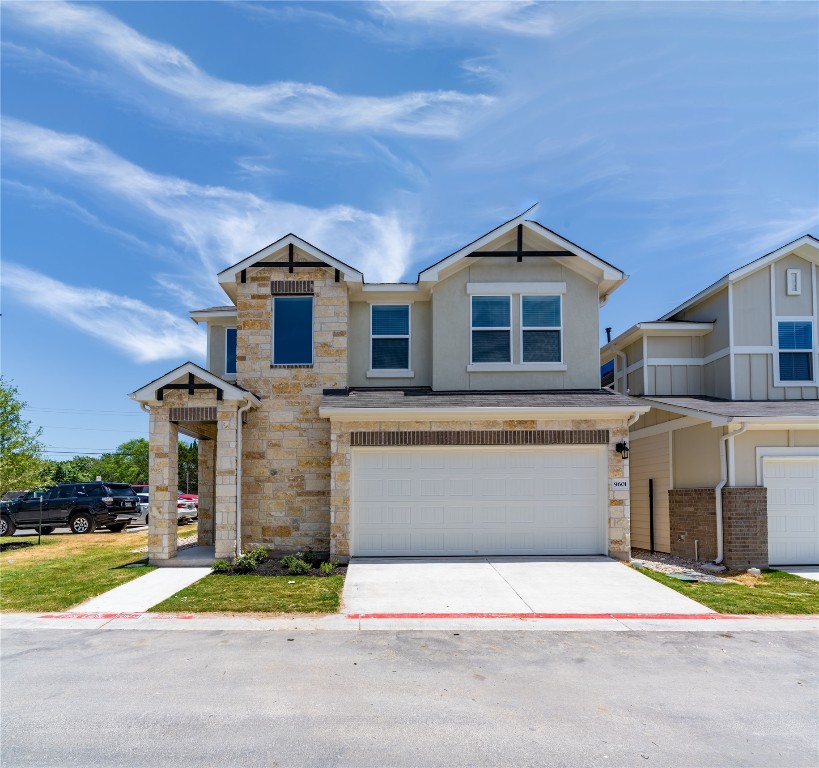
(309,556)
(258,555)
(244,563)
(295,565)
(327,568)
(221,566)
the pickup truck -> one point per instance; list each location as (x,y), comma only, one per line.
(83,507)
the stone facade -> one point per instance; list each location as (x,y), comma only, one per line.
(693,517)
(619,541)
(745,527)
(286,444)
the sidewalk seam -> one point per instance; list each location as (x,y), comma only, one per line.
(492,566)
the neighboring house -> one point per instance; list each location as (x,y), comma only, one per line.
(461,414)
(726,463)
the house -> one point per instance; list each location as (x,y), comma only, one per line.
(725,465)
(461,414)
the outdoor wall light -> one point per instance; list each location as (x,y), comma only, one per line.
(622,449)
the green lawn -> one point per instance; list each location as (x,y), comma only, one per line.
(67,569)
(772,592)
(257,594)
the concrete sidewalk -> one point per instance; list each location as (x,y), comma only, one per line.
(804,571)
(512,585)
(143,593)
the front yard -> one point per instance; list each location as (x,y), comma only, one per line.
(773,592)
(67,569)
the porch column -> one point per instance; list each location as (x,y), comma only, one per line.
(225,497)
(207,469)
(163,464)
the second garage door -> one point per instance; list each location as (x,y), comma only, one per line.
(479,501)
(793,510)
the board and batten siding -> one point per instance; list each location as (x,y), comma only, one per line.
(650,459)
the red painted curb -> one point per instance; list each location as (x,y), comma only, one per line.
(524,616)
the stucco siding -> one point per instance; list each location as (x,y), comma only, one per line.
(745,446)
(696,456)
(649,458)
(752,310)
(451,328)
(420,346)
(794,306)
(216,347)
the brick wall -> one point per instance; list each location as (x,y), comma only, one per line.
(745,526)
(693,517)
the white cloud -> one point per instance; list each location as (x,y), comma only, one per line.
(128,325)
(529,19)
(284,103)
(220,225)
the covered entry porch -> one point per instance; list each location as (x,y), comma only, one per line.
(192,401)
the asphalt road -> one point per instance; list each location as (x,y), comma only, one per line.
(126,698)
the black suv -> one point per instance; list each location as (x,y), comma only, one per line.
(81,506)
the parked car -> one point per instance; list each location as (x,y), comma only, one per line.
(185,510)
(140,488)
(83,507)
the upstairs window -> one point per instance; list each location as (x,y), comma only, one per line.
(230,351)
(292,330)
(491,329)
(796,350)
(541,328)
(390,336)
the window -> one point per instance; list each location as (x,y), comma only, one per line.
(793,282)
(292,330)
(390,330)
(230,350)
(540,326)
(796,350)
(491,329)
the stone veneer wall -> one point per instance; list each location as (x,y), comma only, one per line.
(745,527)
(286,445)
(693,516)
(619,541)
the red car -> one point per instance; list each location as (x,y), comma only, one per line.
(181,496)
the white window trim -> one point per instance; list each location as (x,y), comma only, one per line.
(230,374)
(778,382)
(392,373)
(273,330)
(796,289)
(472,328)
(541,328)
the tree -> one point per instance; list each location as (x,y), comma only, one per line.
(189,467)
(22,466)
(80,469)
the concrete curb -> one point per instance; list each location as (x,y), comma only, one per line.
(398,623)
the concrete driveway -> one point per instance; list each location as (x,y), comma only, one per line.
(510,585)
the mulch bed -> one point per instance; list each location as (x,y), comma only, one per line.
(272,568)
(15,545)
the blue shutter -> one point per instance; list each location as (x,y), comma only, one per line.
(390,320)
(491,312)
(491,347)
(292,330)
(541,311)
(795,335)
(230,350)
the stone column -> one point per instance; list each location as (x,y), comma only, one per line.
(163,477)
(225,497)
(207,469)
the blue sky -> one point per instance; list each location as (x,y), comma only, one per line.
(145,146)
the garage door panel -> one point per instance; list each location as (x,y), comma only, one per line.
(793,510)
(478,501)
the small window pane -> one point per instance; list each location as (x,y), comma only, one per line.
(541,311)
(491,312)
(391,353)
(292,330)
(795,366)
(541,346)
(230,350)
(795,335)
(491,347)
(390,320)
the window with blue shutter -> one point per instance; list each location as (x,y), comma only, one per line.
(491,329)
(390,332)
(230,350)
(795,350)
(292,330)
(540,329)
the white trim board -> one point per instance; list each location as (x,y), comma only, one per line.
(502,289)
(779,452)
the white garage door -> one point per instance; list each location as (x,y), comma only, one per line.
(478,501)
(793,510)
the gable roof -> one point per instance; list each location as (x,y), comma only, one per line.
(227,277)
(147,394)
(747,269)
